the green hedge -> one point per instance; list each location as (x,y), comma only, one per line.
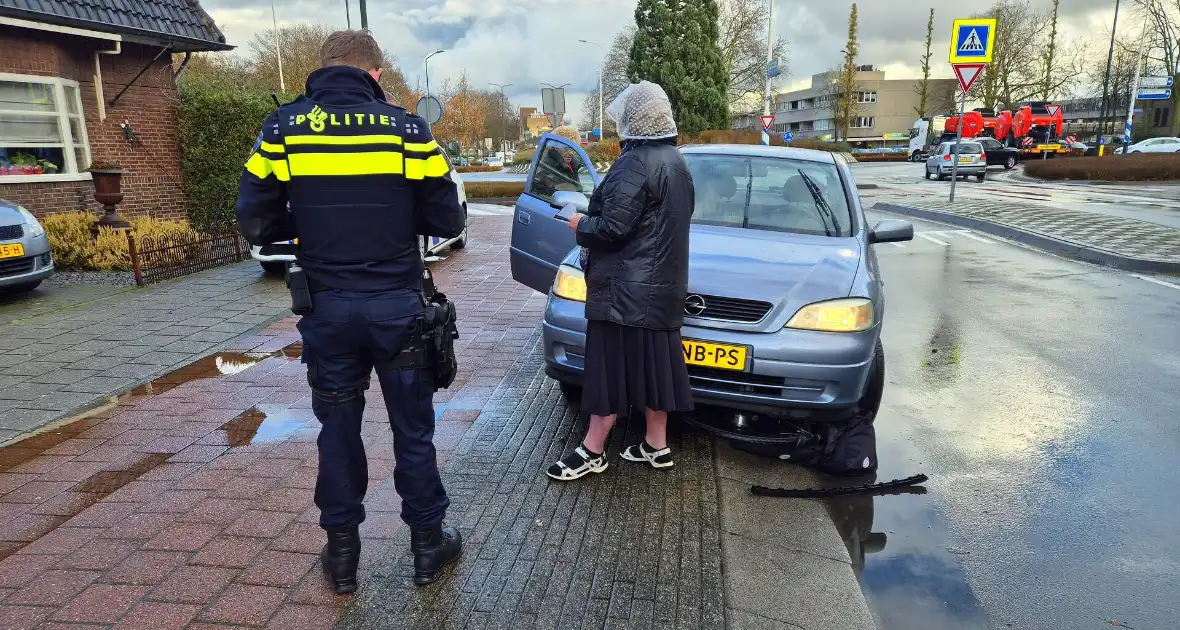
(217,129)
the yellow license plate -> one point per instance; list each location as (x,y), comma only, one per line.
(714,355)
(966,159)
(12,250)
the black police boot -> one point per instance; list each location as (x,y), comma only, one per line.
(340,557)
(434,548)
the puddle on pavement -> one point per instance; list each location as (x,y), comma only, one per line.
(264,423)
(258,424)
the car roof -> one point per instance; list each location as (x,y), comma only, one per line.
(757,150)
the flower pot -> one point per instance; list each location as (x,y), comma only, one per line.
(108,190)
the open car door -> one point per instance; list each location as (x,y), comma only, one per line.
(541,240)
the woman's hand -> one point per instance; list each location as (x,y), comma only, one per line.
(574,220)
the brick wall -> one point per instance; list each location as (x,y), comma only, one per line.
(153,183)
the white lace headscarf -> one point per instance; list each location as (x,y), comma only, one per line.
(643,112)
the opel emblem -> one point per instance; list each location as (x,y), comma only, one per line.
(694,305)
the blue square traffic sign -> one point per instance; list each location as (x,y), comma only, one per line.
(973,40)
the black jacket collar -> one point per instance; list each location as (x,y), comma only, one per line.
(343,85)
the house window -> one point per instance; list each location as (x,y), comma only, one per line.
(1161,117)
(42,129)
(861,122)
(822,125)
(866,97)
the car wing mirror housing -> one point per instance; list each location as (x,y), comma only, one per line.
(891,231)
(563,198)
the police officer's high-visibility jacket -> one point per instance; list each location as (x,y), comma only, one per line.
(364,178)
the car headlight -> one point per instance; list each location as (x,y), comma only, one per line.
(846,315)
(31,221)
(570,284)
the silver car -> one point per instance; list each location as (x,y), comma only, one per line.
(785,299)
(25,259)
(972,161)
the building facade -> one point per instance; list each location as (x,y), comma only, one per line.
(885,109)
(82,80)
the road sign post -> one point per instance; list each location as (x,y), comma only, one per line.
(973,42)
(767,125)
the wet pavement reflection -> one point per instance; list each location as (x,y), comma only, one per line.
(263,423)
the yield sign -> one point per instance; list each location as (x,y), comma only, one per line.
(767,122)
(967,73)
(1052,109)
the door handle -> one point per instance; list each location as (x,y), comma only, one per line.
(523,218)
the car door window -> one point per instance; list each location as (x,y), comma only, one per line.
(560,168)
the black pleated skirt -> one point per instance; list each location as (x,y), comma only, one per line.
(634,367)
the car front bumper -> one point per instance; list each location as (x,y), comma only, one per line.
(788,370)
(35,265)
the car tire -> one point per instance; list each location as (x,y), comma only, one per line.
(274,267)
(927,173)
(461,242)
(942,177)
(22,288)
(980,177)
(870,401)
(572,393)
(916,156)
(1010,163)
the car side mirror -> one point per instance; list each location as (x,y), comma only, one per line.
(563,198)
(891,231)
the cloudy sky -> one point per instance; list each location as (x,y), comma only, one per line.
(527,42)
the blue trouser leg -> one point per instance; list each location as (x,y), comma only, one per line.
(409,398)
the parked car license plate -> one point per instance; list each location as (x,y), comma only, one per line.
(965,158)
(714,355)
(12,250)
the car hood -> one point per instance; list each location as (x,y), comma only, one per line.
(787,270)
(9,215)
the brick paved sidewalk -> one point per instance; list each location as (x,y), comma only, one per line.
(1096,237)
(59,355)
(189,504)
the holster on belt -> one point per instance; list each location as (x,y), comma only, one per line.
(297,284)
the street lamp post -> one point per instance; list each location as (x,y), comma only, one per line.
(1106,81)
(278,47)
(503,122)
(364,15)
(347,15)
(601,125)
(769,58)
(428,69)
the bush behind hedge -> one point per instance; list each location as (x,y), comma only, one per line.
(493,190)
(75,249)
(1114,168)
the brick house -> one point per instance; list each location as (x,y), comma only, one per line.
(95,79)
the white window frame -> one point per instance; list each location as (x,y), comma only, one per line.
(862,122)
(866,97)
(72,171)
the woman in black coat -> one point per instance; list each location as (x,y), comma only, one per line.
(635,256)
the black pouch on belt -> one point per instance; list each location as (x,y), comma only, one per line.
(300,291)
(441,319)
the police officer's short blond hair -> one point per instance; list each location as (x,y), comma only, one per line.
(351,48)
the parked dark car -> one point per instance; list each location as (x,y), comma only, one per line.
(998,154)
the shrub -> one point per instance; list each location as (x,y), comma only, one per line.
(493,190)
(606,151)
(1117,168)
(75,248)
(524,157)
(476,168)
(216,130)
(882,157)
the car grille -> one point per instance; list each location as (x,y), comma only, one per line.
(11,232)
(746,383)
(15,267)
(727,309)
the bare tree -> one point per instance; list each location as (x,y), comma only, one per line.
(923,87)
(1049,57)
(743,45)
(614,79)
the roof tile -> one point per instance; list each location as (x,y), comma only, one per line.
(165,19)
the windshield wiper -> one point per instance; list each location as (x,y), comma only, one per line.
(821,204)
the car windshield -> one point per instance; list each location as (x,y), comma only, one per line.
(775,194)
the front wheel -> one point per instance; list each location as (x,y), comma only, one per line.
(927,173)
(274,267)
(1010,163)
(870,402)
(979,178)
(916,156)
(941,176)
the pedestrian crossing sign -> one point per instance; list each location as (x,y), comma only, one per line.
(973,40)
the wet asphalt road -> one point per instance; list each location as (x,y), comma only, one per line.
(1041,397)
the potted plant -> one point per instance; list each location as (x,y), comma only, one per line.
(26,163)
(48,167)
(108,191)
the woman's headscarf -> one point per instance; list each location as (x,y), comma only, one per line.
(643,112)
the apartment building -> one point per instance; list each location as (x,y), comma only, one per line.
(885,109)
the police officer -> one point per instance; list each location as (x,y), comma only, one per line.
(363,178)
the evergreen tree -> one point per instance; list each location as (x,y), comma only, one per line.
(847,97)
(923,88)
(676,47)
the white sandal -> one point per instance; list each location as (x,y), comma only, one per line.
(641,453)
(577,464)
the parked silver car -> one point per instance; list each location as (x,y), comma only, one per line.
(972,161)
(25,259)
(785,299)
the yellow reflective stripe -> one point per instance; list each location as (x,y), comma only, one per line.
(422,147)
(345,140)
(273,148)
(433,166)
(261,167)
(362,163)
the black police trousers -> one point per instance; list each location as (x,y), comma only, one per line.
(345,337)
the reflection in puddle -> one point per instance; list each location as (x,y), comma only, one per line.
(263,423)
(214,365)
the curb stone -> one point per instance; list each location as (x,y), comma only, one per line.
(1069,250)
